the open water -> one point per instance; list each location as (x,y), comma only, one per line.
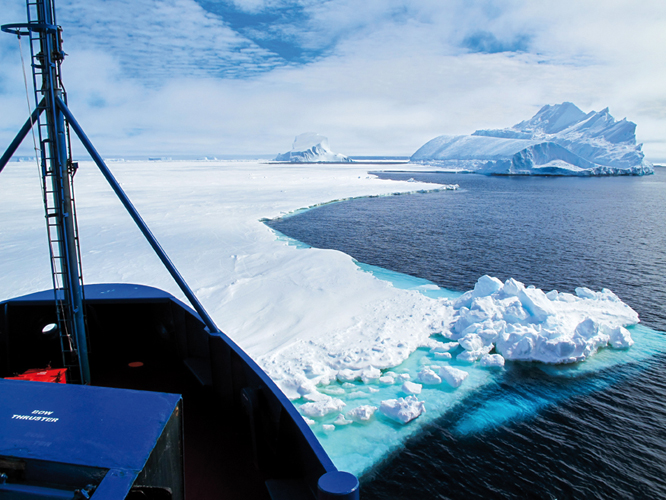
(602,435)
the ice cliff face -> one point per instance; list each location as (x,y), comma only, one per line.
(558,140)
(311,148)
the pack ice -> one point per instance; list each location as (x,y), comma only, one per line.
(527,324)
(482,328)
(311,148)
(558,140)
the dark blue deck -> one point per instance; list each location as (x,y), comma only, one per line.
(83,425)
(145,323)
(61,425)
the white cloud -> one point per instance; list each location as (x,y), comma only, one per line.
(161,39)
(257,6)
(391,76)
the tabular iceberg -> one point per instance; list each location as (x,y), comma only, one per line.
(311,148)
(558,140)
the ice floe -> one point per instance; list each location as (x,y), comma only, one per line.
(428,376)
(361,413)
(453,376)
(322,407)
(411,387)
(403,410)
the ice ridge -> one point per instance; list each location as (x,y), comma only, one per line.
(493,322)
(558,140)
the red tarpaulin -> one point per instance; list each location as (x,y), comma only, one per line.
(57,375)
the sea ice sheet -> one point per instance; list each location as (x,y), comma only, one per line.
(339,341)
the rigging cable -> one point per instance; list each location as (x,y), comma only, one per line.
(37,150)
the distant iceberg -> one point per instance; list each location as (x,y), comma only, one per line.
(311,148)
(558,140)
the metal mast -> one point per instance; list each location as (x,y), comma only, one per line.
(57,169)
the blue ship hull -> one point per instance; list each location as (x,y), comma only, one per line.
(243,438)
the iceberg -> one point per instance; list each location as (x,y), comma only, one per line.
(311,148)
(558,140)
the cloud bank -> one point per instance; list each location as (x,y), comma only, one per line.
(207,77)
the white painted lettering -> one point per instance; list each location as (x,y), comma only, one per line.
(35,418)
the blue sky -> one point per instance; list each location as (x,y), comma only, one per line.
(165,77)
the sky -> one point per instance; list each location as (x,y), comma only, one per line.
(378,77)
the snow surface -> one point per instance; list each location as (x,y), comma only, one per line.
(411,388)
(527,324)
(362,413)
(453,376)
(337,340)
(403,410)
(311,148)
(558,140)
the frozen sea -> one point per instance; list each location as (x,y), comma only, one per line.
(597,430)
(309,315)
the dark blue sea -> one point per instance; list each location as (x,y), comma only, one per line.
(602,435)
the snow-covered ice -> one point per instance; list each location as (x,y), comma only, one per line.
(361,413)
(427,376)
(341,420)
(411,387)
(492,361)
(325,328)
(403,410)
(311,148)
(322,407)
(453,376)
(527,324)
(558,140)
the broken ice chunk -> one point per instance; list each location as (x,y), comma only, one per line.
(341,420)
(362,413)
(492,361)
(453,376)
(411,387)
(402,410)
(322,408)
(427,376)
